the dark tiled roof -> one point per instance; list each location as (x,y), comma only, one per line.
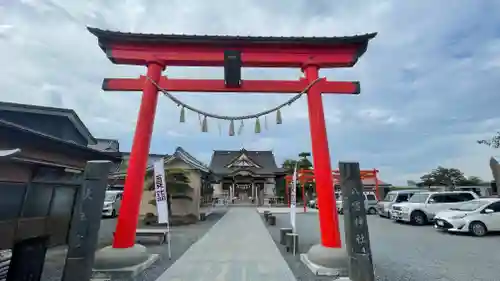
(122,170)
(179,153)
(183,155)
(64,112)
(106,36)
(222,158)
(106,145)
(18,133)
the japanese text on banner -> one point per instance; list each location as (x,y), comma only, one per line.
(160,191)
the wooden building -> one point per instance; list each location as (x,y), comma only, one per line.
(186,204)
(245,176)
(45,151)
(183,203)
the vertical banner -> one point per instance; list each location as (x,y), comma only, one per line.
(161,191)
(293,198)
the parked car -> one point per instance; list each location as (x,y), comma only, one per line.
(477,217)
(370,203)
(314,202)
(396,196)
(112,203)
(422,207)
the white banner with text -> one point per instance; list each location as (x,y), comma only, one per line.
(161,191)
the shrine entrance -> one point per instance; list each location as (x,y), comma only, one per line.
(157,52)
(244,192)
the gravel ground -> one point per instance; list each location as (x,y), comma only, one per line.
(182,238)
(404,252)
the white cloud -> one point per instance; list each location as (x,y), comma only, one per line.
(382,116)
(175,134)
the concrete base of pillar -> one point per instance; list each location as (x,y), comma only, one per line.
(325,261)
(121,264)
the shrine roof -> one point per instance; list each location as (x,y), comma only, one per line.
(106,36)
(183,155)
(264,159)
(21,135)
(70,114)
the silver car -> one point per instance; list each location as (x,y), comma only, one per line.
(370,203)
(112,203)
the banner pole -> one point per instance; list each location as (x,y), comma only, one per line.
(169,242)
(293,205)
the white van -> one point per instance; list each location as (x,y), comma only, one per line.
(112,203)
(391,198)
(423,206)
(370,203)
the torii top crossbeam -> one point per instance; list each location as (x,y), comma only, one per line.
(157,51)
(195,50)
(191,50)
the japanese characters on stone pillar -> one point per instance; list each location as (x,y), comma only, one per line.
(86,221)
(355,224)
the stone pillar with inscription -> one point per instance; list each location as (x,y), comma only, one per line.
(86,221)
(355,225)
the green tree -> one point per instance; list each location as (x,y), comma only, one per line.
(472,181)
(123,165)
(289,165)
(493,142)
(444,177)
(304,162)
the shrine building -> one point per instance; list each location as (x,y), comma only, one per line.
(245,176)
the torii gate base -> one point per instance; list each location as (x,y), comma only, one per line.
(159,51)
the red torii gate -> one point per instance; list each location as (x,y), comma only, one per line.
(307,175)
(232,52)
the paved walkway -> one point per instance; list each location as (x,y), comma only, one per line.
(285,210)
(237,248)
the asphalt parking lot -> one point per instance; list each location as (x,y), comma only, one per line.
(406,252)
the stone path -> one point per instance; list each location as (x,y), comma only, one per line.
(237,248)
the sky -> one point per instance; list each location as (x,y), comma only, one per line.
(429,80)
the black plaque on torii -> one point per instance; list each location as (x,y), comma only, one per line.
(355,224)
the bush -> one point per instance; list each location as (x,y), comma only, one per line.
(150,219)
(183,220)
